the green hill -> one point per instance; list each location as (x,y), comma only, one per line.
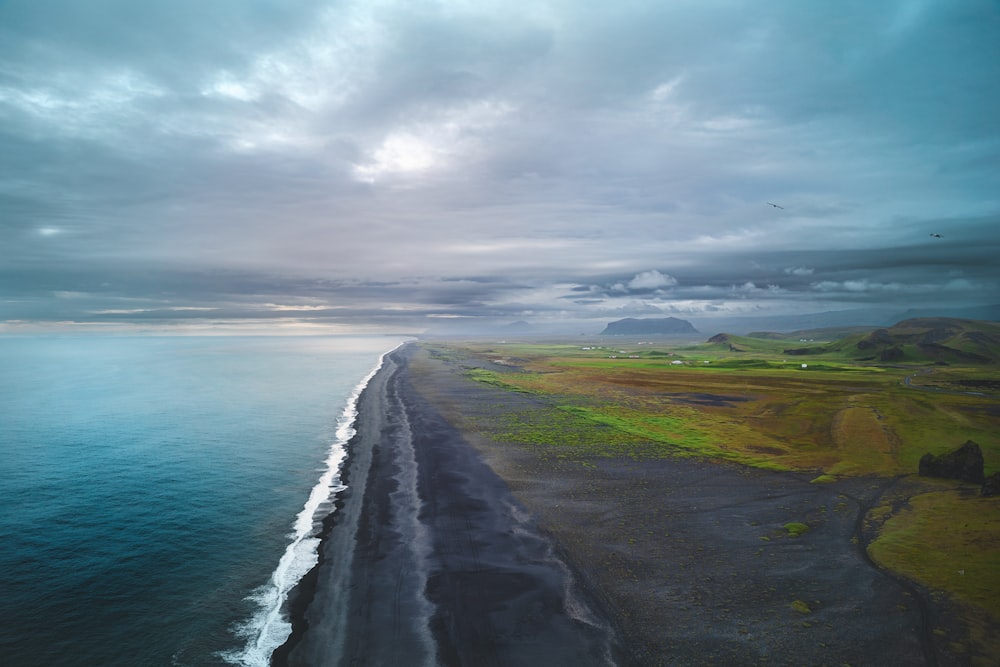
(918,340)
(824,334)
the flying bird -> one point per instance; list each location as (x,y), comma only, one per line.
(776,206)
(937,236)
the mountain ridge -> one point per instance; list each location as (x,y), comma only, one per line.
(922,339)
(631,326)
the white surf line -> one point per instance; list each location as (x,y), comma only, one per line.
(269,628)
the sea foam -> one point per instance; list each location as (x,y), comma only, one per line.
(269,627)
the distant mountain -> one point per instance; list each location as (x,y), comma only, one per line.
(926,340)
(837,319)
(648,327)
(744,324)
(985,313)
(825,333)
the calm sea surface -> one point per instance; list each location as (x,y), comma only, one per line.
(158,494)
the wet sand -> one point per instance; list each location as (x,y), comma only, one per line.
(454,547)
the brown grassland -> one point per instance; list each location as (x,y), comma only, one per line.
(831,417)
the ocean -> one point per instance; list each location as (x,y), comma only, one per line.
(160,495)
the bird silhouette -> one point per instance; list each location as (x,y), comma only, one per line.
(776,206)
(937,236)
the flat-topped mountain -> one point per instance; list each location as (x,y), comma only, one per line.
(631,326)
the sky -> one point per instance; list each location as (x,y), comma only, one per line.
(316,165)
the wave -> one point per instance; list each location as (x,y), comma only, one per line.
(269,627)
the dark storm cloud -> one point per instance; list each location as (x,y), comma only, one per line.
(389,162)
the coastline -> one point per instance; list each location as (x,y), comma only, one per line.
(429,558)
(318,589)
(653,562)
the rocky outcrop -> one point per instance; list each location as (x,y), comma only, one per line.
(991,487)
(964,463)
(891,354)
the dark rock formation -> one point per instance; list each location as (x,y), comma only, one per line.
(646,327)
(991,487)
(891,354)
(964,463)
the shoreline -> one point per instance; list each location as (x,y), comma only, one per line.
(319,585)
(674,561)
(301,595)
(430,560)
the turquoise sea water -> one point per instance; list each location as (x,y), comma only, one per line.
(150,487)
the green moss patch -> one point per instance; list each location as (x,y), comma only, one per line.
(794,528)
(801,607)
(824,479)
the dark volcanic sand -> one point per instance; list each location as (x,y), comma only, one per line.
(429,558)
(665,562)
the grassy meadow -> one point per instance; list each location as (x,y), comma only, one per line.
(825,413)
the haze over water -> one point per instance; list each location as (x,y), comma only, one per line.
(151,486)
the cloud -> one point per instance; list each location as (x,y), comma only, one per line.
(749,289)
(857,286)
(651,280)
(375,161)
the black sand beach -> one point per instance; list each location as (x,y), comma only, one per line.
(431,560)
(453,547)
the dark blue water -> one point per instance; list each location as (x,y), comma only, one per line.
(149,488)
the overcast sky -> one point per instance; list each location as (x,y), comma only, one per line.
(398,163)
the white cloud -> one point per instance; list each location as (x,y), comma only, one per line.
(400,154)
(666,90)
(227,86)
(284,307)
(456,133)
(652,279)
(750,288)
(857,286)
